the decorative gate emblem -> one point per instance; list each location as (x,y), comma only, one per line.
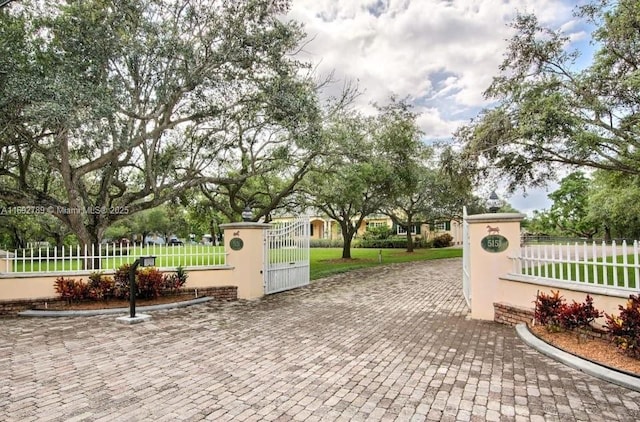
(495,230)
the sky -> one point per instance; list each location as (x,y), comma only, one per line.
(440,54)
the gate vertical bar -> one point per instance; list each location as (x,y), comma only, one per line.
(466,258)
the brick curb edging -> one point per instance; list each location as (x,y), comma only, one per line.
(113,311)
(11,308)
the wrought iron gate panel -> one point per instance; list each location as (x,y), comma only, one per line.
(466,258)
(287,256)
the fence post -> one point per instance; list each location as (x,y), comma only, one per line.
(6,264)
(493,239)
(244,245)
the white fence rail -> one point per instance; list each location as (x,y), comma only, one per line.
(108,257)
(596,264)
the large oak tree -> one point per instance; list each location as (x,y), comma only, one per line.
(419,192)
(351,180)
(111,107)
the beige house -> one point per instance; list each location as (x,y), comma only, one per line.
(322,227)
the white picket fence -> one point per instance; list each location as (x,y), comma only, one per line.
(597,264)
(109,257)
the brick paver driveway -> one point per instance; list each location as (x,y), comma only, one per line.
(383,344)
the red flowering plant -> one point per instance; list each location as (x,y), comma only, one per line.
(547,310)
(624,329)
(578,316)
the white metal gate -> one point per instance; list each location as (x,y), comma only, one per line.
(287,256)
(466,258)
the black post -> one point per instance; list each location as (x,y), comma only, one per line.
(132,288)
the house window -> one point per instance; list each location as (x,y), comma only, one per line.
(441,226)
(401,230)
(376,224)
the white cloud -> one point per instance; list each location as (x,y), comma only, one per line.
(432,122)
(442,53)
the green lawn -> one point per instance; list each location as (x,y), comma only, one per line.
(592,272)
(327,261)
(323,261)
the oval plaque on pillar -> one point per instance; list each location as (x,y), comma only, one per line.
(236,243)
(494,243)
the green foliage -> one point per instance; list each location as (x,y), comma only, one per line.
(442,240)
(624,329)
(325,243)
(388,243)
(351,180)
(378,232)
(542,224)
(548,113)
(570,206)
(172,283)
(418,190)
(144,101)
(614,203)
(182,275)
(392,242)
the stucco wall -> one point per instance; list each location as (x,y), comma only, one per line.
(244,270)
(520,291)
(38,287)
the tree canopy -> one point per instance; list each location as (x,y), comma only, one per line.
(614,204)
(350,181)
(549,113)
(419,192)
(569,212)
(111,107)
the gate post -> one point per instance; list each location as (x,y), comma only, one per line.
(244,244)
(493,238)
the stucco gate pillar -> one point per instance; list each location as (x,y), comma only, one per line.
(493,238)
(244,244)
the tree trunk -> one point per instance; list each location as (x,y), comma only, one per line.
(607,234)
(346,247)
(89,242)
(409,239)
(18,239)
(58,239)
(347,237)
(144,239)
